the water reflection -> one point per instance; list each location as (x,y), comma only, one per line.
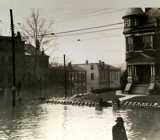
(144,124)
(61,122)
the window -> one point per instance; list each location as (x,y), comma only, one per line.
(116,75)
(127,23)
(148,41)
(138,42)
(83,76)
(92,76)
(92,67)
(135,22)
(129,43)
(131,22)
(78,76)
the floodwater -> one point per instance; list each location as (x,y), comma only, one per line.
(66,122)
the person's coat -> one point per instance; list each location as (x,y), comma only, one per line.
(119,132)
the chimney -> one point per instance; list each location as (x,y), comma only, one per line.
(70,65)
(103,63)
(19,35)
(147,9)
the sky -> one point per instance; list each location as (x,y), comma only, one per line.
(108,46)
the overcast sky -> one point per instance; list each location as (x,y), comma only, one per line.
(108,46)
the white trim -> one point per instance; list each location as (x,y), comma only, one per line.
(140,34)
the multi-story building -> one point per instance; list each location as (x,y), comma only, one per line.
(101,75)
(6,60)
(28,67)
(142,34)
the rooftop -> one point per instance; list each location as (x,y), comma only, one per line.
(133,11)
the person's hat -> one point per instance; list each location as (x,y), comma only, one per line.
(119,119)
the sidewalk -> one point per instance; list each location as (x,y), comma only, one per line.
(126,96)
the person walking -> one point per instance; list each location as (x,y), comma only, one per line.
(118,130)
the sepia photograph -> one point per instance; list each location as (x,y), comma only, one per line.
(79,70)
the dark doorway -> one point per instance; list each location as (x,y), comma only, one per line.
(143,73)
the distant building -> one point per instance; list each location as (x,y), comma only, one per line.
(75,78)
(142,34)
(101,75)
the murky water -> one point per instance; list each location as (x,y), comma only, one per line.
(59,122)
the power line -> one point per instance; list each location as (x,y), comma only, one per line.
(83,29)
(96,27)
(81,33)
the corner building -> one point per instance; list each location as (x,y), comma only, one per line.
(142,35)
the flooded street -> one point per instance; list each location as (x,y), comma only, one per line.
(60,122)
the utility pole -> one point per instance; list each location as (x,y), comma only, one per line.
(65,77)
(13,62)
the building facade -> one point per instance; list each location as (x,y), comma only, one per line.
(101,75)
(6,73)
(28,67)
(75,78)
(36,67)
(142,35)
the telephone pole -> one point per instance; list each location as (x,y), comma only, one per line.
(65,77)
(13,62)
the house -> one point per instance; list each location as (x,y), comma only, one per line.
(142,35)
(101,75)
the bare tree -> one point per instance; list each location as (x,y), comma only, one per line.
(35,29)
(34,32)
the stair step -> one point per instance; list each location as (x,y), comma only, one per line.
(139,89)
